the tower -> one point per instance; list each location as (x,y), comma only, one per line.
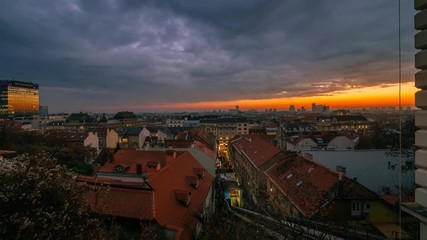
(18,99)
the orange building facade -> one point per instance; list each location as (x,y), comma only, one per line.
(18,98)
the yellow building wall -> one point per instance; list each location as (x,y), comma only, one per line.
(381,213)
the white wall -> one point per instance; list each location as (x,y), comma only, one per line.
(370,167)
(341,143)
(92,140)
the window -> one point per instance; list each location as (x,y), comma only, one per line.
(120,168)
(355,208)
(367,207)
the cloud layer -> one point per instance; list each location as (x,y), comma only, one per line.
(88,55)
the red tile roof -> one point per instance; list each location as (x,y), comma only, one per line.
(129,158)
(184,136)
(121,199)
(204,148)
(205,137)
(310,186)
(394,199)
(170,186)
(199,135)
(255,149)
(172,179)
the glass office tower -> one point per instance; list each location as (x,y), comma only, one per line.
(18,99)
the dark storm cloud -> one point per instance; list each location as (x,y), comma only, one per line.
(89,54)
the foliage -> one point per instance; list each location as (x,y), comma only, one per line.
(73,156)
(40,200)
(387,137)
(86,169)
(24,142)
(21,141)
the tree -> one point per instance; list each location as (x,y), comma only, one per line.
(74,156)
(40,200)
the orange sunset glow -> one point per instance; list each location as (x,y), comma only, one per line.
(378,96)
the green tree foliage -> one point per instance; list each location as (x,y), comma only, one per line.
(86,169)
(24,142)
(40,200)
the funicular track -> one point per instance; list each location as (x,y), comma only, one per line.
(294,228)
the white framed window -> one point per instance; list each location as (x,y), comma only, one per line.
(356,209)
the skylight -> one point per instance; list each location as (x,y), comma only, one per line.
(299,183)
(289,176)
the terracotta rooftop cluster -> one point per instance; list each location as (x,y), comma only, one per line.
(173,193)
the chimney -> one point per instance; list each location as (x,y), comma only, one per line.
(341,169)
(138,169)
(340,176)
(170,155)
(141,169)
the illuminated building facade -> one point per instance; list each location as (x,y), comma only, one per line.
(18,99)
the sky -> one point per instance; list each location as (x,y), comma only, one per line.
(184,55)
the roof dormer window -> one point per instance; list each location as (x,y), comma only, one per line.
(152,165)
(200,172)
(192,181)
(183,197)
(120,168)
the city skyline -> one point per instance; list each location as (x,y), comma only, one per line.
(185,55)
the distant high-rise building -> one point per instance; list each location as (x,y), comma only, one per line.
(319,108)
(18,99)
(292,109)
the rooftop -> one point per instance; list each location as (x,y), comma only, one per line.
(255,148)
(126,161)
(299,177)
(175,197)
